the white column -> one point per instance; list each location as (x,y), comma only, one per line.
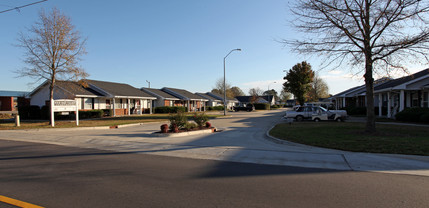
(380,104)
(389,111)
(128,106)
(149,103)
(141,107)
(344,102)
(401,101)
(77,112)
(52,113)
(114,110)
(204,106)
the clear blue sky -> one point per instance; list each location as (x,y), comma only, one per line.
(171,43)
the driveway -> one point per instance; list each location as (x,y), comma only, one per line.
(242,139)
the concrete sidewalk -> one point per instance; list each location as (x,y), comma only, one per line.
(244,139)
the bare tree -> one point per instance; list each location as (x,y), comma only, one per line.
(231,91)
(381,35)
(319,89)
(52,50)
(256,92)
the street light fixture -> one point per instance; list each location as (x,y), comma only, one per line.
(224,78)
(148,83)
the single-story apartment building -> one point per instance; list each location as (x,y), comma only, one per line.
(393,94)
(10,100)
(122,99)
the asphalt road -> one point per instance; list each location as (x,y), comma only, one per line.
(59,176)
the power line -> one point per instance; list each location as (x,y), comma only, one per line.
(19,7)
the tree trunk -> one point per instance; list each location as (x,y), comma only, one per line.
(51,97)
(369,84)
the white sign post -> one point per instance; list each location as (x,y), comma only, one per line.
(64,105)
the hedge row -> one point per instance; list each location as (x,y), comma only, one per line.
(413,115)
(216,108)
(170,109)
(261,106)
(34,112)
(91,114)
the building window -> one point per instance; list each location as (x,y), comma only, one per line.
(88,103)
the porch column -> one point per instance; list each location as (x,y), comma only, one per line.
(344,102)
(380,104)
(114,108)
(401,101)
(389,111)
(189,106)
(141,107)
(149,103)
(128,106)
(204,106)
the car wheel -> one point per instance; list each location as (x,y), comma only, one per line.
(339,120)
(317,119)
(299,118)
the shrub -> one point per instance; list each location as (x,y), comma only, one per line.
(170,109)
(261,106)
(412,114)
(274,107)
(217,108)
(29,112)
(424,118)
(190,125)
(178,120)
(108,112)
(91,114)
(353,111)
(45,113)
(200,119)
(164,128)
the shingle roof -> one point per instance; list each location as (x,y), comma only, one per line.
(243,99)
(183,93)
(118,89)
(158,92)
(402,80)
(76,89)
(219,96)
(208,96)
(13,93)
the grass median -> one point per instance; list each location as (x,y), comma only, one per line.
(107,121)
(394,139)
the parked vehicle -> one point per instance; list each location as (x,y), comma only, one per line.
(248,108)
(307,112)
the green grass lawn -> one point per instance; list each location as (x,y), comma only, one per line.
(393,139)
(108,121)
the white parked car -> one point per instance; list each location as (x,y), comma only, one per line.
(309,112)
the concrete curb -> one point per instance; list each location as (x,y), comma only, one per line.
(182,134)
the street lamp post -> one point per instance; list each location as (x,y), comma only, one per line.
(224,78)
